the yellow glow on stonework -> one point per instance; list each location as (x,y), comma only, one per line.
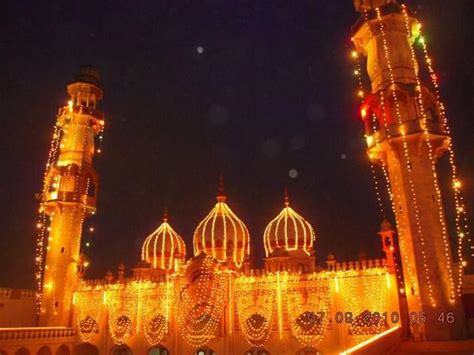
(279,230)
(369,341)
(163,247)
(234,234)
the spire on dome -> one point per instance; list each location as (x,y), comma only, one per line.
(221,196)
(287,199)
(165,215)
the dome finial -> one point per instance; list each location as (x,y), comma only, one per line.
(165,215)
(287,198)
(221,197)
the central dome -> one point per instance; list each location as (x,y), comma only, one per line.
(222,234)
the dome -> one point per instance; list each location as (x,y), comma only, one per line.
(289,231)
(164,248)
(222,234)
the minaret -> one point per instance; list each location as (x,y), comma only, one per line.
(406,136)
(69,196)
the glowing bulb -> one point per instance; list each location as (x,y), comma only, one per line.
(464,263)
(360,93)
(354,54)
(39,225)
(91,229)
(356,72)
(363,112)
(99,151)
(86,264)
(457,184)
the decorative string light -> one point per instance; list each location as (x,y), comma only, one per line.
(289,231)
(122,310)
(460,219)
(221,234)
(406,155)
(164,248)
(201,302)
(88,309)
(256,303)
(308,305)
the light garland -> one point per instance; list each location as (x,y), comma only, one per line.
(88,307)
(122,310)
(361,293)
(256,303)
(406,155)
(308,304)
(155,305)
(200,302)
(456,185)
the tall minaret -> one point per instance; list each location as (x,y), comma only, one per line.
(69,195)
(406,136)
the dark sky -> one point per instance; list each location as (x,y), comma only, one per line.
(272,91)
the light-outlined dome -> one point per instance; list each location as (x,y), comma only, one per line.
(221,234)
(289,232)
(164,248)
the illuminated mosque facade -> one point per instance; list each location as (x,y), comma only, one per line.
(207,298)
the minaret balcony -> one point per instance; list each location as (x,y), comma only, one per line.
(54,198)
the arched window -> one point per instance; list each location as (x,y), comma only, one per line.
(257,351)
(205,351)
(158,350)
(309,351)
(44,351)
(121,350)
(85,349)
(63,350)
(22,351)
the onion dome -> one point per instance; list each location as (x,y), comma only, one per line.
(164,248)
(222,234)
(290,232)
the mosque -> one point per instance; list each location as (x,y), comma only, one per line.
(209,298)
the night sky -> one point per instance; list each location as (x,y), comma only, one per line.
(250,89)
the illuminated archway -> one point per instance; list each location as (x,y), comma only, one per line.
(158,350)
(44,351)
(257,351)
(121,350)
(85,349)
(63,350)
(22,351)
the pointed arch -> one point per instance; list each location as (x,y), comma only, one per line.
(85,349)
(22,351)
(205,351)
(121,350)
(44,350)
(158,350)
(63,350)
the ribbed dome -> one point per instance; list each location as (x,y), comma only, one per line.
(164,248)
(288,231)
(222,234)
